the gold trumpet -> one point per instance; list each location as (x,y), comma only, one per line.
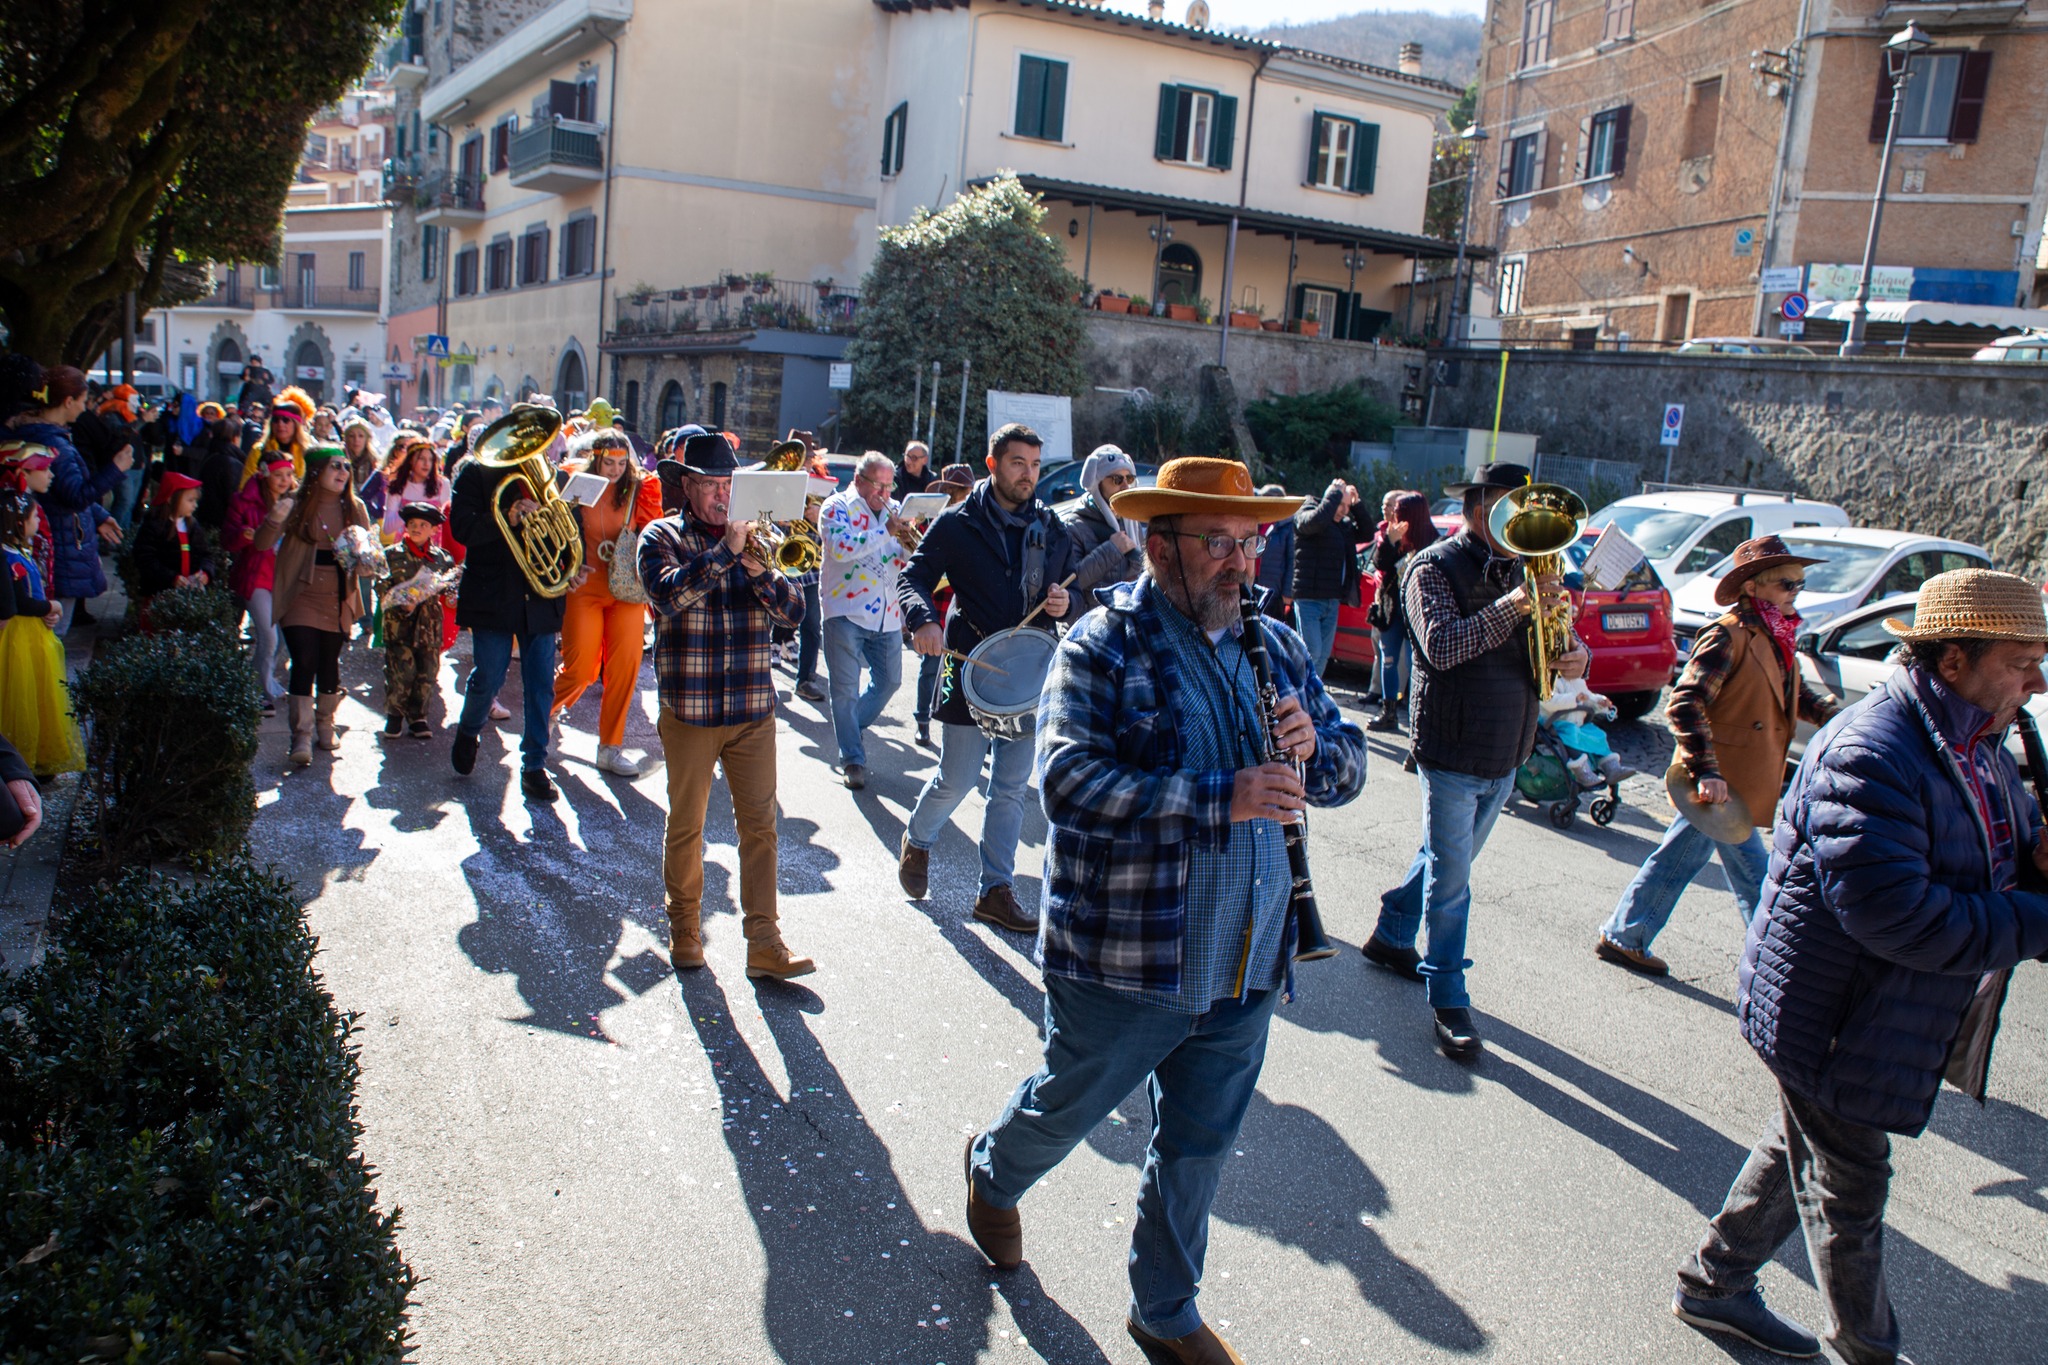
(1536,522)
(791,546)
(546,544)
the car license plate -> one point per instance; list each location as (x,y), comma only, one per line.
(1624,620)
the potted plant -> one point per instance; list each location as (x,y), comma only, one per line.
(687,323)
(1181,312)
(823,286)
(1111,303)
(1307,327)
(1272,325)
(1140,305)
(1205,311)
(1246,317)
(764,281)
(641,292)
(700,291)
(736,283)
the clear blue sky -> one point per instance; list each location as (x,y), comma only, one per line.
(1258,13)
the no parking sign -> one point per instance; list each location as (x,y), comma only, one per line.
(1793,308)
(1674,420)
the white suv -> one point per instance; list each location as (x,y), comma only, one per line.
(1685,530)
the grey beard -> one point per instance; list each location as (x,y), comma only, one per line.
(1210,608)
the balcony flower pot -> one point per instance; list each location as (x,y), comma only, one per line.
(700,291)
(1110,303)
(1181,312)
(1250,321)
(1307,327)
(736,283)
(1273,325)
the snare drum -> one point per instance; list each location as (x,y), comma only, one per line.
(1005,704)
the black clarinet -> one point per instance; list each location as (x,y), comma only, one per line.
(2037,758)
(1310,942)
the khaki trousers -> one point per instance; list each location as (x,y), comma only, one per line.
(747,753)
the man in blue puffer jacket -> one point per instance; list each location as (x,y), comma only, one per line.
(1908,876)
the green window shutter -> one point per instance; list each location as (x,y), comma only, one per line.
(1169,115)
(1055,121)
(1223,131)
(1030,97)
(1365,157)
(1315,151)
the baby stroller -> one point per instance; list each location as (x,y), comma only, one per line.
(1546,781)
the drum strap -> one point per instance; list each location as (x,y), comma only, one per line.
(1033,578)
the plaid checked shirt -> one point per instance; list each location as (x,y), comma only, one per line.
(1127,818)
(711,624)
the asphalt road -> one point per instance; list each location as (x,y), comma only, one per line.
(597,1163)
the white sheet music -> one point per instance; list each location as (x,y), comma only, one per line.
(1612,559)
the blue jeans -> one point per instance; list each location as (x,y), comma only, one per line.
(1393,649)
(1200,1071)
(961,749)
(1318,626)
(927,686)
(492,651)
(847,644)
(807,636)
(1458,812)
(128,493)
(1649,900)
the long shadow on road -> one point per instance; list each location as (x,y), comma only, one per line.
(854,1275)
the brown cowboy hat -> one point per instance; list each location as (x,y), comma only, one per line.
(1975,604)
(1200,483)
(1752,557)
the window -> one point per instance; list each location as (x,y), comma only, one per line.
(1512,273)
(1621,21)
(1677,320)
(1343,154)
(671,405)
(501,142)
(575,100)
(429,256)
(498,265)
(572,390)
(1521,165)
(1909,573)
(1702,118)
(579,247)
(469,159)
(718,407)
(1944,99)
(1536,16)
(533,255)
(1604,138)
(465,271)
(1716,545)
(1196,127)
(632,410)
(308,267)
(267,278)
(1869,639)
(892,138)
(355,269)
(1041,99)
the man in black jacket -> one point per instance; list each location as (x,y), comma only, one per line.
(915,474)
(1474,722)
(1004,552)
(499,606)
(1327,531)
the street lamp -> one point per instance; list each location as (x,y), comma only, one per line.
(1898,57)
(1472,137)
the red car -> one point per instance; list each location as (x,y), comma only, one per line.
(1628,631)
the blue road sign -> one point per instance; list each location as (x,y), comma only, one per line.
(1793,308)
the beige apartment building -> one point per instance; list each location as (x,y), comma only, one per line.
(583,204)
(1655,158)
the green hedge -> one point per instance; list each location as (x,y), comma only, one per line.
(178,1173)
(1308,436)
(170,732)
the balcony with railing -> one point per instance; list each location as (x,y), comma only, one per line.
(697,314)
(228,292)
(297,294)
(339,162)
(557,156)
(447,198)
(401,179)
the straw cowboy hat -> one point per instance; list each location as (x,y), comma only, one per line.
(1752,557)
(1975,604)
(1200,483)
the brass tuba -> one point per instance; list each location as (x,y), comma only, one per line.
(546,544)
(791,546)
(1536,522)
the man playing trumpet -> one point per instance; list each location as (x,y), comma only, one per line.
(866,546)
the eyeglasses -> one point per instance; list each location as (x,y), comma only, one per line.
(1219,545)
(1789,584)
(874,483)
(1120,480)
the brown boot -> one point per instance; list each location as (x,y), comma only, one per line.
(998,1232)
(773,960)
(913,870)
(323,721)
(998,906)
(685,940)
(302,730)
(1199,1347)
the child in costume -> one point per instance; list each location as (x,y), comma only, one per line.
(35,709)
(1569,712)
(421,572)
(171,550)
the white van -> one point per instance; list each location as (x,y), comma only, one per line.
(1686,529)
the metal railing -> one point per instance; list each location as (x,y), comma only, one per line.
(296,295)
(559,142)
(738,303)
(227,293)
(449,190)
(401,178)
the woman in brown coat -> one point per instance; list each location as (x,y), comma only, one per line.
(1733,712)
(313,596)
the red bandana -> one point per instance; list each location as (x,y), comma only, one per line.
(1784,629)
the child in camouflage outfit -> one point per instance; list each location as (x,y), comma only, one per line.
(412,634)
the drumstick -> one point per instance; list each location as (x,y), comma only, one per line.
(978,663)
(1041,606)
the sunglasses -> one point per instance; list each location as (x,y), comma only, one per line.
(1120,480)
(1789,584)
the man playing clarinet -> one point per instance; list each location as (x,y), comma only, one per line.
(1167,931)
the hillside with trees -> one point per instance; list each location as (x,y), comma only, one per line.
(1450,42)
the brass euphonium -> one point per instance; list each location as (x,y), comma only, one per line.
(791,546)
(1536,522)
(546,544)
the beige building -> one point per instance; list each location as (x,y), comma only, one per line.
(585,204)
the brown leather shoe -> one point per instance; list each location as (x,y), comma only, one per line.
(1647,963)
(1199,1347)
(774,961)
(998,1232)
(685,941)
(999,907)
(914,870)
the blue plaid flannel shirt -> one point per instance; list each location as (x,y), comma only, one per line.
(1125,816)
(711,624)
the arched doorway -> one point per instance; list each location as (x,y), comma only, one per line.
(227,368)
(307,370)
(572,391)
(1180,274)
(527,388)
(671,406)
